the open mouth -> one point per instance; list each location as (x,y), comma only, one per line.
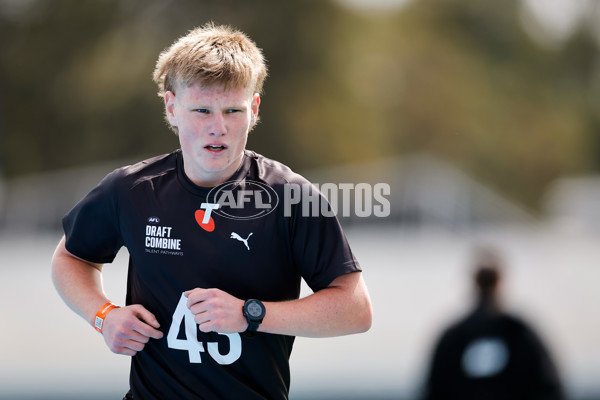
(215,147)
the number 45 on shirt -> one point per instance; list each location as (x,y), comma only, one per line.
(192,345)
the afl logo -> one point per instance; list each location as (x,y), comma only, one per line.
(243,200)
(153,220)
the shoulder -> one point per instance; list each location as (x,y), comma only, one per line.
(273,172)
(515,323)
(521,329)
(129,176)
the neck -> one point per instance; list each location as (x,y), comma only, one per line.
(488,304)
(212,179)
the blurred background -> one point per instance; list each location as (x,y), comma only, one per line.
(483,116)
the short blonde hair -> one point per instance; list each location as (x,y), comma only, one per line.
(211,55)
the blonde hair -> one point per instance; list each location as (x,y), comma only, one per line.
(211,55)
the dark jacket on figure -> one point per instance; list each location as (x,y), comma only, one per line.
(490,355)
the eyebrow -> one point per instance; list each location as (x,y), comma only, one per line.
(195,106)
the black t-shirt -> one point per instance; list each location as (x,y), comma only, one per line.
(494,356)
(257,243)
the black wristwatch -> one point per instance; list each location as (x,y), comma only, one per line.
(254,311)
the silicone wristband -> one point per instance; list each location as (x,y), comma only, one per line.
(101,314)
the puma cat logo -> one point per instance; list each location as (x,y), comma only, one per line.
(238,237)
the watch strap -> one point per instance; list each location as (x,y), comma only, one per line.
(252,326)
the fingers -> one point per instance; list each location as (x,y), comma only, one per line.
(146,325)
(212,321)
(207,297)
(128,342)
(203,301)
(215,310)
(129,329)
(198,295)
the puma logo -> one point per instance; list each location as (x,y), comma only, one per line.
(238,237)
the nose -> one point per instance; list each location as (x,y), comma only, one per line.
(218,127)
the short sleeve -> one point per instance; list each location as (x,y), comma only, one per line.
(92,226)
(320,248)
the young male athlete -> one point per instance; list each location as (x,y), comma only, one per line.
(216,254)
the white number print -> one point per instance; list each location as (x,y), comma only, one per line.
(191,343)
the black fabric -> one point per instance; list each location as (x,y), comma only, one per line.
(527,374)
(156,197)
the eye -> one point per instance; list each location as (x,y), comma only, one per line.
(233,110)
(202,110)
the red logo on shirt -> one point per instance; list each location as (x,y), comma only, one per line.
(203,217)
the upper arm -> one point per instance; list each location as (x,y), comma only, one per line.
(353,285)
(320,250)
(92,227)
(61,254)
(354,294)
(348,281)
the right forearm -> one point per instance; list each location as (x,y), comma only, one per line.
(78,282)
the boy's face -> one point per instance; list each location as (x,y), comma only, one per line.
(213,125)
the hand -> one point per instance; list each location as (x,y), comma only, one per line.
(216,311)
(126,330)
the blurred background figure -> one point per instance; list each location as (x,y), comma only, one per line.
(491,354)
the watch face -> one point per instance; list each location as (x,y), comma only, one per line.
(255,309)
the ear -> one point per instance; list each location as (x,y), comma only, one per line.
(170,107)
(254,107)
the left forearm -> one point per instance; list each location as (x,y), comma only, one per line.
(342,308)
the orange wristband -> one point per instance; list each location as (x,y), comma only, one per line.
(101,314)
